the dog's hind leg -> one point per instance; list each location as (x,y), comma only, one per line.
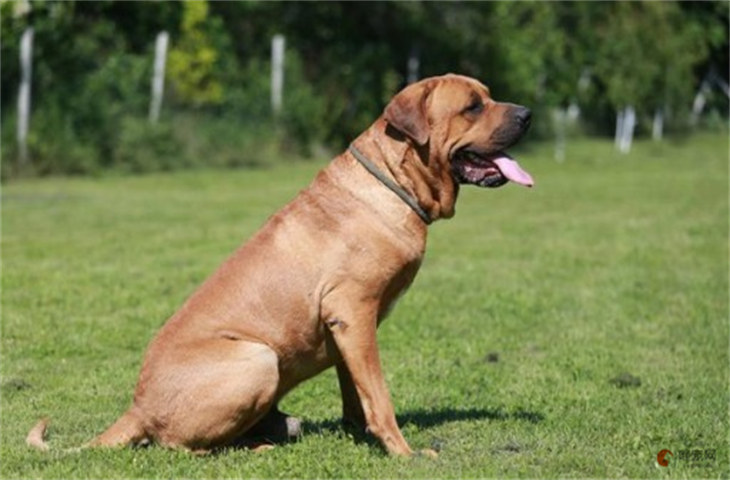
(212,396)
(276,427)
(128,430)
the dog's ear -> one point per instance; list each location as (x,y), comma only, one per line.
(407,112)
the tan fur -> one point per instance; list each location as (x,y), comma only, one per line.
(36,435)
(309,289)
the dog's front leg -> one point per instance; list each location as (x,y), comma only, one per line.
(354,334)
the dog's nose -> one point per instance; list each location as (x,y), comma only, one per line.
(523,115)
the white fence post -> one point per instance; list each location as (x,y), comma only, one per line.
(278,44)
(158,76)
(26,54)
(414,64)
(629,122)
(699,102)
(657,126)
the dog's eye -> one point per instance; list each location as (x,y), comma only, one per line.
(475,107)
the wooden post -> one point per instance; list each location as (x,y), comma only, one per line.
(158,76)
(278,44)
(26,54)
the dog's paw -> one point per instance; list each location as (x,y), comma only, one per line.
(262,447)
(293,427)
(427,452)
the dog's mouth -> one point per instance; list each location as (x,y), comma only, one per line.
(488,169)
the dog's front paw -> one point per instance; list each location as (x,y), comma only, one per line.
(426,452)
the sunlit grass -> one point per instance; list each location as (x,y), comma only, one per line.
(572,330)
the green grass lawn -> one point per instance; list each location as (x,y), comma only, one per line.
(572,330)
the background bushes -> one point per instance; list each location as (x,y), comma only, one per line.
(92,63)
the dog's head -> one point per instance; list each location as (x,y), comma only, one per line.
(463,128)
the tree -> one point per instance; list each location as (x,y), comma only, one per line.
(345,60)
(648,55)
(193,58)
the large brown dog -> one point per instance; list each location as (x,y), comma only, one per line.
(310,288)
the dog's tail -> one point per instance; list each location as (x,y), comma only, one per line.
(36,436)
(128,430)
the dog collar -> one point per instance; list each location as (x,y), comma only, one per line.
(388,182)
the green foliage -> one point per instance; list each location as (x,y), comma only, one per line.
(56,147)
(83,86)
(635,68)
(53,145)
(193,59)
(520,66)
(304,113)
(92,64)
(104,101)
(142,147)
(639,70)
(611,264)
(227,141)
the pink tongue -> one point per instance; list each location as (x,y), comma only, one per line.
(513,171)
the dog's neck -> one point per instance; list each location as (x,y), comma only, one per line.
(417,169)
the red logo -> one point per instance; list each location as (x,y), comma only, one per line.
(660,458)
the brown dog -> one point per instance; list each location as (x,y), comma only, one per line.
(310,288)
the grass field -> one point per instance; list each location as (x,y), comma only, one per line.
(572,330)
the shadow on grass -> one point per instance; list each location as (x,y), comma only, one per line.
(422,419)
(428,419)
(425,419)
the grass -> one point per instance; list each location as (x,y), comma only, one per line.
(573,330)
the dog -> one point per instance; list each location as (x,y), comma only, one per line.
(310,288)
